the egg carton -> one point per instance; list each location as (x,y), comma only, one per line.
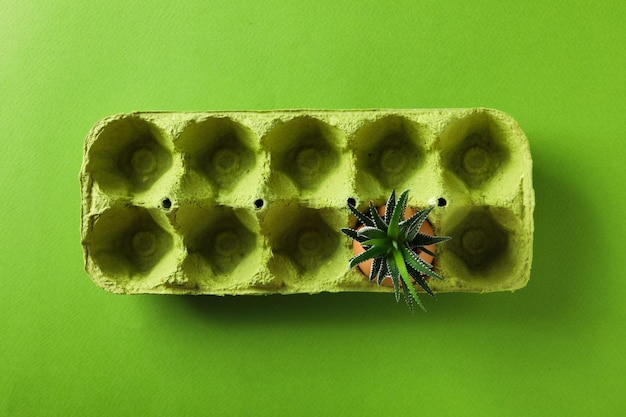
(252,202)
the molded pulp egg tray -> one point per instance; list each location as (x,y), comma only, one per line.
(253,202)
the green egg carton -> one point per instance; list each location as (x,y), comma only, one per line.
(252,202)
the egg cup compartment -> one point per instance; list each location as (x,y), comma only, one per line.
(389,152)
(129,156)
(253,202)
(222,244)
(305,155)
(305,243)
(487,251)
(482,155)
(129,245)
(219,154)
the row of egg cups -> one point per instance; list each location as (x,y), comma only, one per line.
(304,160)
(285,247)
(258,186)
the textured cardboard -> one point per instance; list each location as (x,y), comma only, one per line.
(253,202)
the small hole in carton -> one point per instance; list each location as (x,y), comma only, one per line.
(258,203)
(167,204)
(441,202)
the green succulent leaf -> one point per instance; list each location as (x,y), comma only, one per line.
(384,270)
(427,251)
(406,278)
(376,264)
(378,242)
(411,227)
(426,240)
(378,221)
(418,263)
(372,233)
(360,216)
(408,298)
(394,227)
(411,258)
(419,279)
(353,234)
(370,253)
(394,273)
(391,204)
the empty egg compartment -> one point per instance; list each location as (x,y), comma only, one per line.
(221,160)
(392,151)
(490,249)
(224,253)
(308,160)
(308,251)
(130,249)
(484,154)
(129,157)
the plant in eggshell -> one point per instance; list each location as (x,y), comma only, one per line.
(393,243)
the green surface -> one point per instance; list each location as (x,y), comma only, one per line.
(553,348)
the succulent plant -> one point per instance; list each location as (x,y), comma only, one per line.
(394,244)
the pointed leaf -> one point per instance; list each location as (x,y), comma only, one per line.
(418,263)
(419,279)
(433,254)
(360,216)
(411,220)
(378,221)
(394,273)
(372,233)
(422,239)
(384,270)
(414,224)
(411,258)
(397,255)
(372,252)
(353,234)
(398,213)
(408,298)
(378,242)
(391,204)
(376,264)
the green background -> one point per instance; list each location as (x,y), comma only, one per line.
(554,348)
